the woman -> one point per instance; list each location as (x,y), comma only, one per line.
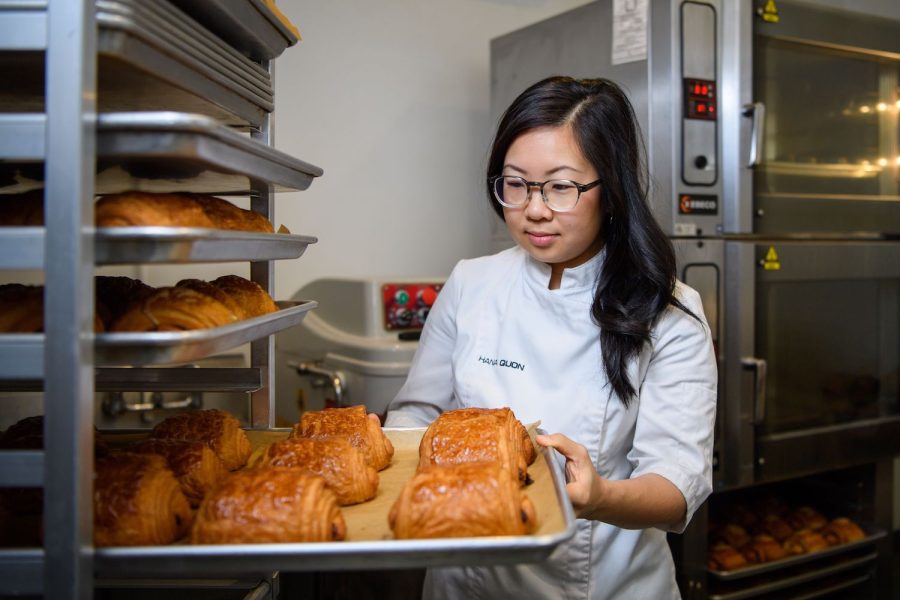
(584,327)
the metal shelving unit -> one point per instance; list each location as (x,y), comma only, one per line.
(78,55)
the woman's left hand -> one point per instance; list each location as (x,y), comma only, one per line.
(583,484)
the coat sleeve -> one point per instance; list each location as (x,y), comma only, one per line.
(428,390)
(673,434)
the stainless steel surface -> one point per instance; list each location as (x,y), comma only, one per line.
(21,356)
(130,245)
(758,366)
(21,135)
(69,299)
(22,572)
(333,378)
(873,535)
(21,468)
(768,588)
(175,347)
(150,379)
(179,560)
(756,112)
(248,25)
(23,26)
(21,247)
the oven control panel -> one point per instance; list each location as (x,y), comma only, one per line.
(405,306)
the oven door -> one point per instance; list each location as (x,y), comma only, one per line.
(812,356)
(826,87)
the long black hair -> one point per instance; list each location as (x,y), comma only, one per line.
(637,281)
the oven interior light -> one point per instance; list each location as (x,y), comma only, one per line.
(881,106)
(865,109)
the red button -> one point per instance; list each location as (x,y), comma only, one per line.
(428,296)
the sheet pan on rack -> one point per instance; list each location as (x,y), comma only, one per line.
(369,544)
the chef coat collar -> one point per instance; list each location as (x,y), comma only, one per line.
(584,276)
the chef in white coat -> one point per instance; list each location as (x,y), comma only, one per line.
(583,326)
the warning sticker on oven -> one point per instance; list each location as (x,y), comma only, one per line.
(694,204)
(771,261)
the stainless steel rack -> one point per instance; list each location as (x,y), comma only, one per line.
(68,59)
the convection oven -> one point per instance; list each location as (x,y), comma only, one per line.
(772,139)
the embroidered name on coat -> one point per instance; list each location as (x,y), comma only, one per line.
(501,362)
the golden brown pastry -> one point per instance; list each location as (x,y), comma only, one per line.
(732,534)
(464,500)
(803,541)
(342,465)
(723,557)
(763,548)
(454,439)
(144,209)
(351,422)
(842,531)
(776,526)
(220,430)
(22,210)
(174,309)
(137,502)
(113,295)
(515,431)
(272,504)
(22,309)
(253,300)
(193,462)
(742,515)
(806,517)
(213,291)
(226,215)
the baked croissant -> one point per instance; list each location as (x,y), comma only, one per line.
(777,527)
(806,517)
(842,531)
(137,502)
(803,541)
(471,499)
(226,215)
(723,557)
(351,422)
(472,438)
(193,462)
(342,465)
(143,209)
(22,309)
(763,548)
(733,535)
(174,309)
(272,504)
(220,430)
(26,209)
(252,299)
(114,295)
(518,435)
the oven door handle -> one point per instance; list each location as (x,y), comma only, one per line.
(757,112)
(759,367)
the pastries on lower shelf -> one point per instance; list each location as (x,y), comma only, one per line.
(842,531)
(220,430)
(363,431)
(272,504)
(137,502)
(144,209)
(464,500)
(197,468)
(334,458)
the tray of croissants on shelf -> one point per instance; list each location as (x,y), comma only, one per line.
(770,533)
(198,493)
(145,227)
(136,324)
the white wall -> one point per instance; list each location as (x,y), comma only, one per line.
(391,99)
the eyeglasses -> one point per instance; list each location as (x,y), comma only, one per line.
(560,195)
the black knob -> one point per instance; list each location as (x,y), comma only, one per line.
(701,161)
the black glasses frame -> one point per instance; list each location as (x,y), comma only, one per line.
(540,185)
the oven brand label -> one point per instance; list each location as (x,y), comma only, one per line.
(690,204)
(501,362)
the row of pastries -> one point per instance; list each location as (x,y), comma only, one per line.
(196,478)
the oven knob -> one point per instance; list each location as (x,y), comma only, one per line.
(401,296)
(401,316)
(701,161)
(422,314)
(426,296)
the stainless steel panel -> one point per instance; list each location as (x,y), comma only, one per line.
(131,245)
(21,247)
(23,27)
(21,468)
(21,356)
(22,135)
(22,572)
(699,53)
(248,25)
(176,347)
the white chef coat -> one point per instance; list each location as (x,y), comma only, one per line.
(497,336)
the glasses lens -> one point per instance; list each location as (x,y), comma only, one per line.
(511,191)
(561,194)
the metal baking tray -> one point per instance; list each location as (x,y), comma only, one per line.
(130,245)
(143,30)
(170,151)
(367,546)
(189,42)
(120,349)
(248,25)
(873,534)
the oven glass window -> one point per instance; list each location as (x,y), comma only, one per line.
(832,351)
(830,139)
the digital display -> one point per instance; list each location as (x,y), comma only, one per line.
(700,99)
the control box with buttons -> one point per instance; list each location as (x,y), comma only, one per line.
(406,305)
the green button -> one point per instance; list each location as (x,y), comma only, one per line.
(402,296)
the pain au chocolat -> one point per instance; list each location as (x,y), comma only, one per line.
(220,430)
(195,465)
(342,465)
(465,500)
(145,209)
(271,504)
(351,422)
